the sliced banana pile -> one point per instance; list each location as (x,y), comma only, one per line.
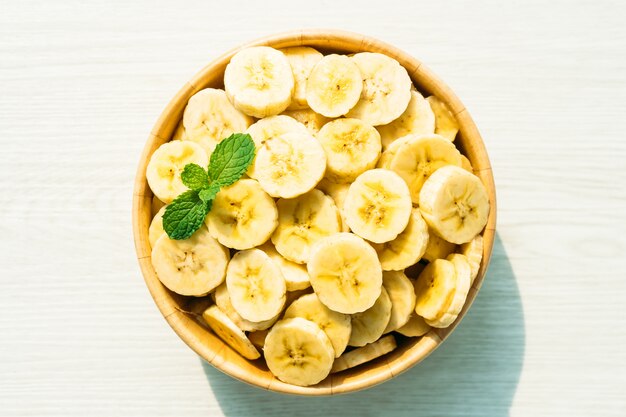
(358,219)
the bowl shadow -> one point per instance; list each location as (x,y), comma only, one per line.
(474,372)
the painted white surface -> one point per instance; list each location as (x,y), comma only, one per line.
(81,84)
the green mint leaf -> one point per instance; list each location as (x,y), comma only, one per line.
(209,193)
(185,215)
(194,177)
(230,159)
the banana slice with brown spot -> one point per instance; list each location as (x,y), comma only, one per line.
(302,60)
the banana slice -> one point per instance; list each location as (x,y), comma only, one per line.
(474,252)
(302,60)
(386,157)
(352,147)
(302,221)
(242,215)
(463,280)
(402,296)
(255,285)
(419,157)
(269,128)
(369,325)
(156,227)
(296,275)
(466,164)
(364,354)
(290,165)
(193,266)
(210,118)
(386,89)
(337,326)
(338,193)
(166,164)
(406,249)
(179,133)
(298,352)
(222,300)
(313,121)
(156,205)
(259,81)
(219,322)
(345,273)
(437,248)
(434,289)
(257,338)
(455,204)
(415,327)
(417,119)
(378,205)
(445,122)
(334,86)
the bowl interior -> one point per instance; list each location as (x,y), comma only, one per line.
(175,308)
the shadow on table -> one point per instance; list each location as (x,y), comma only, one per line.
(475,372)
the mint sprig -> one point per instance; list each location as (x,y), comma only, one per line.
(229,161)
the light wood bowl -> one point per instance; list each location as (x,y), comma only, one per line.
(410,351)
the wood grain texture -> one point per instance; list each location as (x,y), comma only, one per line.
(82,83)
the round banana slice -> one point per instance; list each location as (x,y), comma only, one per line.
(352,147)
(463,280)
(259,81)
(419,157)
(415,327)
(258,338)
(455,204)
(334,86)
(302,60)
(210,118)
(290,165)
(313,121)
(434,289)
(369,325)
(466,164)
(418,119)
(474,252)
(389,153)
(193,266)
(302,221)
(255,285)
(179,133)
(219,322)
(222,300)
(402,296)
(296,275)
(378,205)
(337,326)
(406,249)
(364,354)
(242,215)
(386,89)
(338,193)
(298,352)
(167,163)
(345,273)
(437,248)
(445,123)
(156,227)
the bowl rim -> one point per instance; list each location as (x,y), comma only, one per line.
(203,342)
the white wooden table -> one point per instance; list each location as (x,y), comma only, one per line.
(80,87)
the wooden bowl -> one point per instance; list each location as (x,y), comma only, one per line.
(410,351)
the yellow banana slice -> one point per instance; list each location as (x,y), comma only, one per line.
(338,193)
(455,204)
(466,164)
(255,285)
(434,289)
(445,122)
(210,118)
(193,266)
(351,146)
(378,205)
(417,119)
(474,252)
(402,296)
(296,275)
(337,326)
(242,215)
(219,322)
(463,280)
(290,165)
(257,338)
(407,248)
(334,86)
(298,352)
(437,248)
(302,221)
(167,163)
(364,354)
(313,121)
(302,60)
(415,327)
(259,81)
(345,273)
(369,325)
(386,89)
(179,133)
(222,300)
(156,227)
